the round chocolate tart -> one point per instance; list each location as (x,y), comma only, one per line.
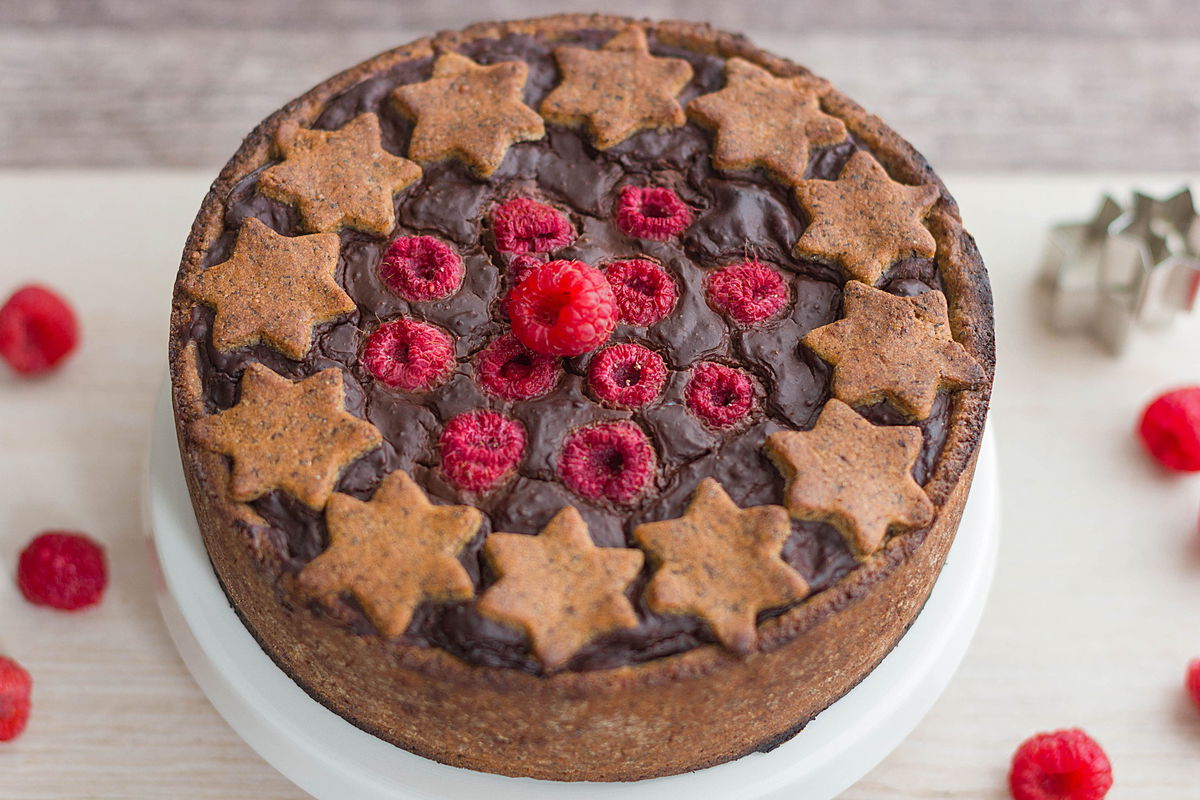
(581,398)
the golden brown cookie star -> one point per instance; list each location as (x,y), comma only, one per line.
(295,436)
(617,90)
(393,552)
(559,587)
(893,348)
(721,563)
(469,112)
(765,121)
(272,290)
(341,177)
(865,221)
(852,474)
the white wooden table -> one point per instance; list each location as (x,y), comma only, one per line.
(1091,621)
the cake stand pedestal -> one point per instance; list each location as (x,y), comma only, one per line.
(332,760)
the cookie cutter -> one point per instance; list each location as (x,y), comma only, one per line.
(1128,267)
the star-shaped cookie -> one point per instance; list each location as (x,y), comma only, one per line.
(559,587)
(764,121)
(864,220)
(272,290)
(295,436)
(893,348)
(393,552)
(341,177)
(721,563)
(617,90)
(852,474)
(469,112)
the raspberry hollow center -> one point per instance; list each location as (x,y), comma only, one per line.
(610,461)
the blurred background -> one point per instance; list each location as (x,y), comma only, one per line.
(1015,85)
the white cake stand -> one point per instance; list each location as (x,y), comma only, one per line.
(333,760)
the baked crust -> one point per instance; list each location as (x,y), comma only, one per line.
(661,717)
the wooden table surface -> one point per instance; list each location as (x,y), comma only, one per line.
(1091,621)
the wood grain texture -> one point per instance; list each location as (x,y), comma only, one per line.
(1074,84)
(1090,622)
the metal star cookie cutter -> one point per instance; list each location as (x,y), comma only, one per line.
(1125,268)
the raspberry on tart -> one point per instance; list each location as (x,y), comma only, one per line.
(610,461)
(718,395)
(563,308)
(409,355)
(747,293)
(421,268)
(480,449)
(627,375)
(645,293)
(511,371)
(522,225)
(652,212)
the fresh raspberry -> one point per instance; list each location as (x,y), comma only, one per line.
(1064,765)
(719,395)
(627,375)
(480,448)
(1192,681)
(522,225)
(37,330)
(420,268)
(1170,429)
(645,292)
(651,212)
(62,570)
(563,308)
(409,355)
(748,292)
(608,461)
(511,371)
(15,689)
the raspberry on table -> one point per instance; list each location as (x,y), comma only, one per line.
(421,268)
(409,355)
(62,570)
(747,293)
(38,330)
(608,461)
(1170,429)
(644,291)
(511,371)
(720,396)
(522,225)
(1064,765)
(1192,681)
(480,449)
(563,308)
(627,375)
(651,212)
(16,688)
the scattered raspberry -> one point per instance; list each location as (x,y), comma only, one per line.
(511,371)
(645,292)
(62,570)
(409,355)
(563,308)
(480,448)
(1064,765)
(1170,429)
(1192,681)
(748,292)
(653,212)
(37,330)
(420,268)
(627,375)
(608,461)
(15,689)
(719,395)
(522,225)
